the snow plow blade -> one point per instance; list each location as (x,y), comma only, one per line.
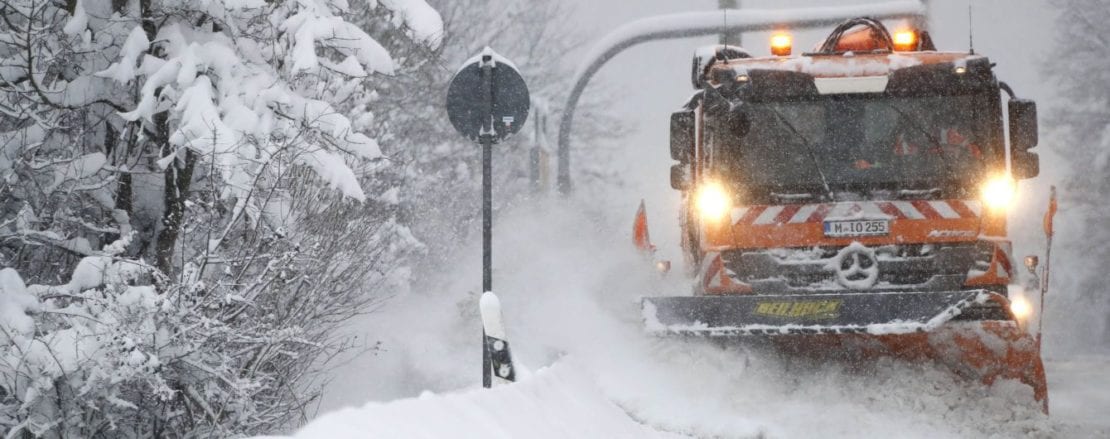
(986,344)
(838,313)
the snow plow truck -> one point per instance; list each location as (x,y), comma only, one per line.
(853,200)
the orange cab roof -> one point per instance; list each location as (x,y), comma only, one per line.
(845,65)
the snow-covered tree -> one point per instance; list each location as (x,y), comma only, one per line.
(1082,132)
(223,142)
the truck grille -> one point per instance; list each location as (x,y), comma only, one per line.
(908,267)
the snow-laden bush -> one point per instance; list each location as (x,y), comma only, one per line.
(183,184)
(120,352)
(89,360)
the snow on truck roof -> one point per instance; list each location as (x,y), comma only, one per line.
(845,65)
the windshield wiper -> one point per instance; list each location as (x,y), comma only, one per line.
(932,139)
(808,147)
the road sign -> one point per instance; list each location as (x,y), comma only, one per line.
(474,100)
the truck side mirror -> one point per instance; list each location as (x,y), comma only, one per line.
(1023,124)
(1025,164)
(680,176)
(1023,137)
(683,135)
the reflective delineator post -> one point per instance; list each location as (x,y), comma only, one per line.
(497,360)
(1049,216)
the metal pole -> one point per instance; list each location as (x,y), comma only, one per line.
(922,21)
(726,37)
(487,214)
(534,154)
(486,139)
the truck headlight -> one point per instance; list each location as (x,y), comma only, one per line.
(1020,307)
(998,192)
(712,201)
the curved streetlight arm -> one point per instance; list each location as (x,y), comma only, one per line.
(701,23)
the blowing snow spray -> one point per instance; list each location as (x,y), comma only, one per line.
(488,101)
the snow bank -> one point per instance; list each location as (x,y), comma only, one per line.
(558,402)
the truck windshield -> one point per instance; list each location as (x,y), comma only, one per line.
(860,143)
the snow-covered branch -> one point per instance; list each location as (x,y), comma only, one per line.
(213,139)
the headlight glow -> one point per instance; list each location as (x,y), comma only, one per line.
(712,201)
(904,40)
(998,192)
(1020,307)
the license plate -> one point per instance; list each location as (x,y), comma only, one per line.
(853,228)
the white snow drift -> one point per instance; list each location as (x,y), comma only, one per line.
(559,402)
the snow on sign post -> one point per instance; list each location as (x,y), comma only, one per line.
(488,101)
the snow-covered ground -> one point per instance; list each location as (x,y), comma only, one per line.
(1079,393)
(562,401)
(569,285)
(557,402)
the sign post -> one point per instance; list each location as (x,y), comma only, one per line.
(485,138)
(487,101)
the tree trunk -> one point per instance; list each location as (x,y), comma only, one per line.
(178,179)
(123,189)
(146,9)
(123,194)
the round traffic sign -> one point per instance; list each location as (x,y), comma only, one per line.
(487,88)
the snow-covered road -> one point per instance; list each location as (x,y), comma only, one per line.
(569,286)
(900,401)
(1079,397)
